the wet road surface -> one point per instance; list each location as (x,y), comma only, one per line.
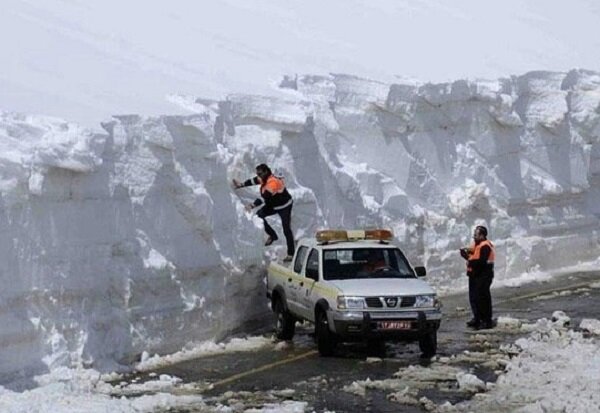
(250,379)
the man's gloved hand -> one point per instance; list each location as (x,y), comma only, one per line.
(249,207)
(237,184)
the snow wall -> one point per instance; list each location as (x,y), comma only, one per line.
(129,240)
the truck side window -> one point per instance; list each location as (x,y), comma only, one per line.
(300,259)
(312,265)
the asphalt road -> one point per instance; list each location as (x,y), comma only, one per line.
(251,379)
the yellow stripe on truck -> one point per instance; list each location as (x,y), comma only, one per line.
(282,272)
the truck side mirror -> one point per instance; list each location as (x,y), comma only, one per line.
(421,271)
(312,273)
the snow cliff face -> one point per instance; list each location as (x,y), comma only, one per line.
(130,240)
(119,242)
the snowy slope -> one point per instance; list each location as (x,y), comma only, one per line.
(132,240)
(87,60)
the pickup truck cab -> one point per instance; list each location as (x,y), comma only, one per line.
(354,286)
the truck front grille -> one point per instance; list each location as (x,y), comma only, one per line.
(408,301)
(374,302)
(378,302)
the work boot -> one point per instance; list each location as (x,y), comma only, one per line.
(287,258)
(485,325)
(473,323)
(270,240)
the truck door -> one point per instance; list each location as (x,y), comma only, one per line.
(307,290)
(292,286)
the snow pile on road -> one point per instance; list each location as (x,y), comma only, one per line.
(591,325)
(209,348)
(553,369)
(67,390)
(76,390)
(284,407)
(132,240)
(552,363)
(441,375)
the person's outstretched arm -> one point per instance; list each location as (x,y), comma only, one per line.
(248,182)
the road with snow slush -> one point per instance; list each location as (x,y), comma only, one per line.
(295,372)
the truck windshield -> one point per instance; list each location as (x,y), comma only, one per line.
(356,263)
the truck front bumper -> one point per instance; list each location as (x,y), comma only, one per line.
(364,325)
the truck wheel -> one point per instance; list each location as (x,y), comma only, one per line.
(325,338)
(285,324)
(428,344)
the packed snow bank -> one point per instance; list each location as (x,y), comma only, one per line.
(132,240)
(557,370)
(77,391)
(120,242)
(148,363)
(552,369)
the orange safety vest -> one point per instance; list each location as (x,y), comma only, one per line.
(273,184)
(475,253)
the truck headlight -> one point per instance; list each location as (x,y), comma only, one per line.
(347,303)
(426,301)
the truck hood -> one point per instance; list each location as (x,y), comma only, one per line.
(382,287)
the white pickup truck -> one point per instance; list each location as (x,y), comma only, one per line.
(354,286)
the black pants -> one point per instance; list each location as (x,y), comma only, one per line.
(480,297)
(286,217)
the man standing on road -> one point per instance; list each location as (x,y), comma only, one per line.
(480,270)
(276,200)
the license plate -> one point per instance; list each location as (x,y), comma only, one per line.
(393,325)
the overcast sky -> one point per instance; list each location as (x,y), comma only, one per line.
(84,60)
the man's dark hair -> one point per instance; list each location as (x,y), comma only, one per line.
(482,230)
(264,168)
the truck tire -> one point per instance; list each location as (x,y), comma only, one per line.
(325,339)
(428,344)
(285,323)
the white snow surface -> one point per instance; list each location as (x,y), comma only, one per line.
(557,370)
(87,60)
(132,239)
(284,407)
(84,390)
(552,369)
(74,390)
(209,348)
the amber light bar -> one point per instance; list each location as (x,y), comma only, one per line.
(379,234)
(328,235)
(331,235)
